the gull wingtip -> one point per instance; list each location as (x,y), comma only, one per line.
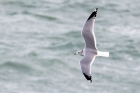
(88,77)
(93,15)
(96,9)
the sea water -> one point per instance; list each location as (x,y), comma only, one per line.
(38,39)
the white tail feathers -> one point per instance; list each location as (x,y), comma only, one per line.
(104,54)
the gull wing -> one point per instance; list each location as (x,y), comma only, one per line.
(86,63)
(87,33)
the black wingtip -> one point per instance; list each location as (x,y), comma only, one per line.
(94,13)
(96,9)
(89,78)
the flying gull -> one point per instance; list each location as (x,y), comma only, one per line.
(90,50)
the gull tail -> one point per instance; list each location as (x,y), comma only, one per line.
(104,54)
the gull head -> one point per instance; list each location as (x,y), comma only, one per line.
(80,52)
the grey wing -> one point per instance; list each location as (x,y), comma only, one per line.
(87,32)
(86,65)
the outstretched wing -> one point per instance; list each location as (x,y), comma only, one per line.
(86,63)
(87,33)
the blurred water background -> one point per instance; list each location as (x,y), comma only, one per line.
(38,39)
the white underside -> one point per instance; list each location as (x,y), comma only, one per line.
(104,54)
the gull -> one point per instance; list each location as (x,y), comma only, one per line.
(90,50)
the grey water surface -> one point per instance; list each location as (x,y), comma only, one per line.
(38,39)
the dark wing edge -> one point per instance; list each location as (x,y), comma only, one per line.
(88,77)
(93,14)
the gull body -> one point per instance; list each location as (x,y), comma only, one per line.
(90,50)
